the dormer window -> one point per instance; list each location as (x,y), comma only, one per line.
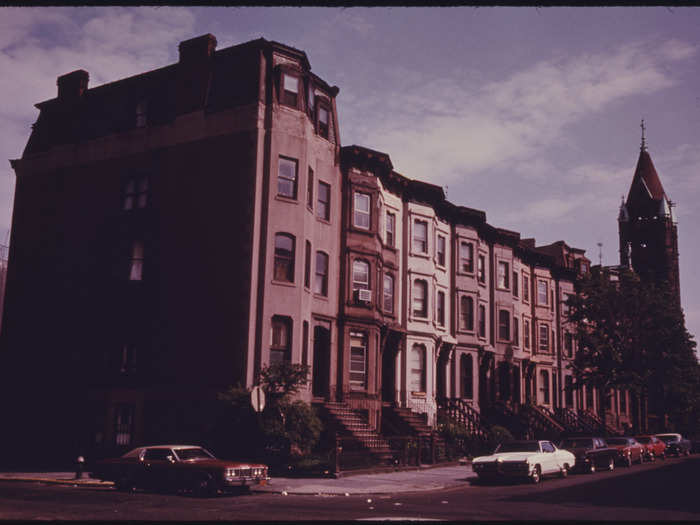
(141,114)
(290,90)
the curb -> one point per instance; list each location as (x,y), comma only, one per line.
(52,481)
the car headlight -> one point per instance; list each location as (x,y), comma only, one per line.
(500,460)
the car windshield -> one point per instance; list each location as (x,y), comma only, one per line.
(616,441)
(518,446)
(667,439)
(643,440)
(577,443)
(193,453)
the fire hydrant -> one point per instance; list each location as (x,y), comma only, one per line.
(79,466)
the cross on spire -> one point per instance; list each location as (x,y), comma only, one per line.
(644,143)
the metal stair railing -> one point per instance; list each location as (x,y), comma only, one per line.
(460,412)
(540,422)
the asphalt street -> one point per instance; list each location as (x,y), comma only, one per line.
(657,492)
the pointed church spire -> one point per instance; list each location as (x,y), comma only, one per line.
(644,142)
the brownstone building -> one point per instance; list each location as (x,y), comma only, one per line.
(176,231)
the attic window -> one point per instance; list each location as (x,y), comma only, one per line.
(290,90)
(141,114)
(323,119)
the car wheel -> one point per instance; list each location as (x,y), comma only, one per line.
(564,471)
(536,475)
(204,486)
(687,452)
(611,464)
(124,485)
(652,457)
(628,461)
(591,467)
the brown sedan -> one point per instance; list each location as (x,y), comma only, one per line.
(177,467)
(653,447)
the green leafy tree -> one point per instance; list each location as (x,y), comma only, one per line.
(632,336)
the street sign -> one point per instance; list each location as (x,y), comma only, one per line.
(257,398)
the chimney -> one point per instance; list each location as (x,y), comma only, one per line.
(71,86)
(197,49)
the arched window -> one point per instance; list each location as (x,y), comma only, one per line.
(284,257)
(420,298)
(544,386)
(466,313)
(417,363)
(466,374)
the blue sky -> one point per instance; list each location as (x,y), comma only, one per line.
(531,115)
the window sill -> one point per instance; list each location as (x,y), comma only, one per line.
(322,220)
(289,200)
(284,283)
(422,255)
(320,297)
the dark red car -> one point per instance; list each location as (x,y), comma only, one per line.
(653,447)
(628,450)
(178,467)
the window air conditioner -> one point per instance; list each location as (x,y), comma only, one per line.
(364,296)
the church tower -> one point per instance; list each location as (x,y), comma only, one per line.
(648,233)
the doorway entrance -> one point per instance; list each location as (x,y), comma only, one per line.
(322,360)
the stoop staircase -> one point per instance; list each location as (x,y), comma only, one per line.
(354,430)
(404,421)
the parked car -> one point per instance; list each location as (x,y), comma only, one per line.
(653,447)
(176,467)
(676,444)
(591,453)
(524,459)
(628,450)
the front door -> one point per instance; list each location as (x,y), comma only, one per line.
(389,374)
(322,354)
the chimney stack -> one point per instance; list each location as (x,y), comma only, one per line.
(197,49)
(71,86)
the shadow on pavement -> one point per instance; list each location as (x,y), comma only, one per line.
(672,487)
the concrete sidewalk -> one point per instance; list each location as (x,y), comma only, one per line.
(374,483)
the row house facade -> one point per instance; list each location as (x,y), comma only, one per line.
(201,221)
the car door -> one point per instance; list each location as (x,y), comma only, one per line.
(157,462)
(550,458)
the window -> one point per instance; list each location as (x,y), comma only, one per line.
(420,236)
(441,250)
(526,333)
(305,343)
(310,103)
(128,358)
(569,344)
(388,293)
(553,342)
(544,338)
(321,277)
(290,90)
(544,388)
(360,275)
(307,265)
(569,391)
(123,424)
(503,275)
(565,308)
(481,268)
(441,308)
(136,261)
(390,229)
(323,119)
(281,340)
(516,293)
(310,189)
(287,178)
(547,447)
(420,298)
(542,292)
(141,114)
(361,217)
(504,325)
(358,360)
(135,193)
(466,375)
(526,288)
(466,313)
(323,210)
(466,257)
(551,301)
(482,320)
(284,258)
(417,365)
(516,331)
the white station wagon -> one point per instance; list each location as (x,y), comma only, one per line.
(524,459)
